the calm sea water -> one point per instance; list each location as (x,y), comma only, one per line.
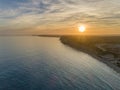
(41,63)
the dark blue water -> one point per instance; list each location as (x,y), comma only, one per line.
(36,63)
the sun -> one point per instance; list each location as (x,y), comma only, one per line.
(82,28)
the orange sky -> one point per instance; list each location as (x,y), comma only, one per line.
(59,16)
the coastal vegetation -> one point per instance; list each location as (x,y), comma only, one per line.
(106,48)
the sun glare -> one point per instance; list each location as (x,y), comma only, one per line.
(82,28)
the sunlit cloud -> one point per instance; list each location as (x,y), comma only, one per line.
(36,15)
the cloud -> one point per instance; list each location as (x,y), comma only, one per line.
(24,14)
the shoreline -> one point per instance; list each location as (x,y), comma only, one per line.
(90,52)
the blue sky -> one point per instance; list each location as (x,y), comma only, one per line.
(49,16)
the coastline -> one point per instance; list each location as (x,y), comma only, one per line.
(74,44)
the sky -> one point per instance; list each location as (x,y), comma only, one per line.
(59,16)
